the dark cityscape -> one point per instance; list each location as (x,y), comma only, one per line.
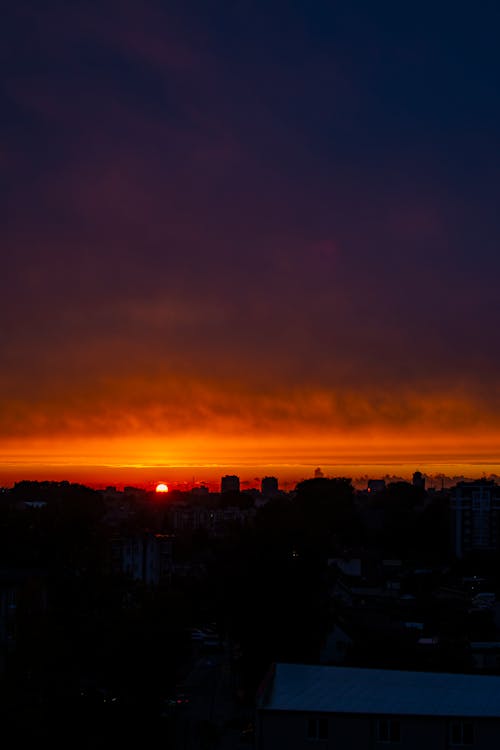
(129,616)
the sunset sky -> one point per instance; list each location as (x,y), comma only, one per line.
(248,237)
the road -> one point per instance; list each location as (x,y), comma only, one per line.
(212,720)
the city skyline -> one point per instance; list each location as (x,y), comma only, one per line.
(174,478)
(248,239)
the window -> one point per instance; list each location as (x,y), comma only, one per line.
(388,730)
(461,733)
(317,729)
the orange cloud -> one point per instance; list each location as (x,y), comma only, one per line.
(178,421)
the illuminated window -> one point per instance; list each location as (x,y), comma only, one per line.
(461,733)
(388,730)
(317,729)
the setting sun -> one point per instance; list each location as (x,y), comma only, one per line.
(161,487)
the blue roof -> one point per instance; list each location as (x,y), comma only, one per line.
(311,688)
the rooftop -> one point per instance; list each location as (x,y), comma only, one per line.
(302,687)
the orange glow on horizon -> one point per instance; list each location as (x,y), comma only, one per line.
(291,457)
(287,435)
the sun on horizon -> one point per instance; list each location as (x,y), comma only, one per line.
(161,487)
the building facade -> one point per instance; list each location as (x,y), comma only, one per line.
(301,706)
(145,557)
(475,513)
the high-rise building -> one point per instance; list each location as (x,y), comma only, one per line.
(419,480)
(269,486)
(475,512)
(230,483)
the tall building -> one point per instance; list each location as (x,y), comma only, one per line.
(475,512)
(269,486)
(419,480)
(230,483)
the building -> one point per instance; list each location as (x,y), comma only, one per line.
(145,557)
(301,705)
(215,520)
(269,487)
(376,485)
(200,489)
(475,513)
(230,483)
(23,605)
(418,480)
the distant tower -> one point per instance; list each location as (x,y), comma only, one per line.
(419,480)
(230,483)
(269,486)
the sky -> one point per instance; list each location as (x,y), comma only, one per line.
(254,237)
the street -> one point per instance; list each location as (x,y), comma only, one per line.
(212,719)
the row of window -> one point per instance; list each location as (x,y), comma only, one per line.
(460,732)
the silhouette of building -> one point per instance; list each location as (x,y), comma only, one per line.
(376,485)
(269,486)
(475,511)
(201,489)
(418,480)
(230,483)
